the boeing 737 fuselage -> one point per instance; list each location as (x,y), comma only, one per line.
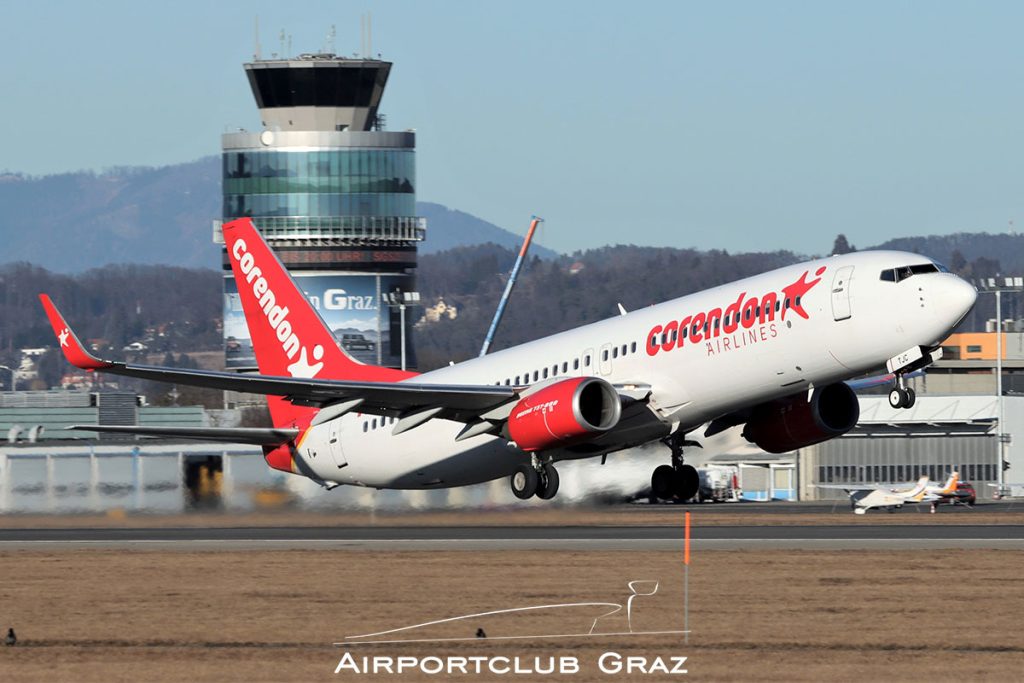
(770,353)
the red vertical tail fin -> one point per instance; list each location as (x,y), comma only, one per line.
(288,336)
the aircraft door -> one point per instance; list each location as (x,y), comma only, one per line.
(604,359)
(334,443)
(587,363)
(841,293)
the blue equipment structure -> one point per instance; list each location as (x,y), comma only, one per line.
(534,222)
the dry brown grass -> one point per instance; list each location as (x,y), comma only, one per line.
(105,615)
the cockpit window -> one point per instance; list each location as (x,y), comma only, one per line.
(903,272)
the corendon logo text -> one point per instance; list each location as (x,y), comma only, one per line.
(740,316)
(277,316)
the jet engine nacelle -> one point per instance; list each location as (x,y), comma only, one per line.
(564,413)
(796,422)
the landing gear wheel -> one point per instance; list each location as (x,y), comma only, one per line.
(687,482)
(909,398)
(663,482)
(524,482)
(548,482)
(896,398)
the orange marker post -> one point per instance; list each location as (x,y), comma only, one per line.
(686,578)
(686,547)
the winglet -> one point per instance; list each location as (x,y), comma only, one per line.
(69,344)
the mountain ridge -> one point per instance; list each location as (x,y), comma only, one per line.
(162,215)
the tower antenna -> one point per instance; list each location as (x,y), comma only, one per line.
(284,55)
(329,45)
(369,35)
(256,31)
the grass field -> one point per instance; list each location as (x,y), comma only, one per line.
(110,615)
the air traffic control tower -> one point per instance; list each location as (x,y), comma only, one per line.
(333,194)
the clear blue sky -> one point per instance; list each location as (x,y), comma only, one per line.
(735,125)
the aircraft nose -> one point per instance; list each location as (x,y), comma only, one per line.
(960,296)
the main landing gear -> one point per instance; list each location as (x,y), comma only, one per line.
(901,395)
(676,481)
(535,479)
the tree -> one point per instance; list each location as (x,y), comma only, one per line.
(841,246)
(957,262)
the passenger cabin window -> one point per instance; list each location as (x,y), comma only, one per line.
(604,355)
(545,373)
(632,347)
(586,361)
(575,363)
(565,367)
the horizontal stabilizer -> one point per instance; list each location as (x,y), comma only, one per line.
(251,435)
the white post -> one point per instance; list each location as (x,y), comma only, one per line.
(401,322)
(181,478)
(226,478)
(5,480)
(999,393)
(51,500)
(94,480)
(137,477)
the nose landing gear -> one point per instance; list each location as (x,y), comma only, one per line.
(901,395)
(678,480)
(913,359)
(534,479)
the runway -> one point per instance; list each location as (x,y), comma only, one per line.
(821,537)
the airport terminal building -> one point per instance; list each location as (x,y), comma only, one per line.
(335,196)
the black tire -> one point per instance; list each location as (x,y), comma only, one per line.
(663,482)
(896,398)
(909,398)
(524,482)
(548,483)
(687,482)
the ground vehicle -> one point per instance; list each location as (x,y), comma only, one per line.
(356,342)
(718,484)
(964,494)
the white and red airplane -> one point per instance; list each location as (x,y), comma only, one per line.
(770,352)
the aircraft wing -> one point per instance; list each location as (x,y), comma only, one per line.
(249,435)
(463,403)
(842,487)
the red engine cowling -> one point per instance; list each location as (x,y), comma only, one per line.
(795,422)
(564,413)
